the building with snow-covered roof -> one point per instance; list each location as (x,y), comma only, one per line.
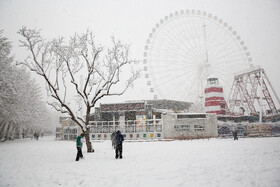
(151,119)
(68,130)
(190,125)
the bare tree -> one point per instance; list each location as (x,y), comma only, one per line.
(62,63)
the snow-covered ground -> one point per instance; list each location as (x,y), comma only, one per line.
(214,162)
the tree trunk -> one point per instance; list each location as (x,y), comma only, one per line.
(13,132)
(87,132)
(6,135)
(3,127)
(88,142)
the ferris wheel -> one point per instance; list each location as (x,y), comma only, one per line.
(185,48)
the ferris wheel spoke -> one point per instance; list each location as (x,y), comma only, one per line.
(229,56)
(201,28)
(184,49)
(223,49)
(239,62)
(189,87)
(187,39)
(230,68)
(177,65)
(179,53)
(175,83)
(173,69)
(225,74)
(158,53)
(170,78)
(231,49)
(196,44)
(223,55)
(166,64)
(192,30)
(175,40)
(218,35)
(218,38)
(192,86)
(161,76)
(175,61)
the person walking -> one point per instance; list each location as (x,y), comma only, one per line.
(113,138)
(235,135)
(79,144)
(119,141)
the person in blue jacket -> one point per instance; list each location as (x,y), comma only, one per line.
(118,140)
(79,144)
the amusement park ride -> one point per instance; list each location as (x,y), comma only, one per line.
(252,91)
(251,94)
(188,47)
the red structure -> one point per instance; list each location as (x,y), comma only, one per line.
(214,97)
(253,93)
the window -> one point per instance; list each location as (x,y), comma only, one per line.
(58,129)
(199,127)
(111,129)
(72,137)
(182,127)
(129,128)
(93,129)
(105,129)
(73,130)
(130,115)
(159,128)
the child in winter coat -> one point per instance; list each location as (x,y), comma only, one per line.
(119,140)
(79,144)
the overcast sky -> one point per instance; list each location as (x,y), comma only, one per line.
(257,22)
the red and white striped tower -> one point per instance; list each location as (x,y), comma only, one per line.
(214,97)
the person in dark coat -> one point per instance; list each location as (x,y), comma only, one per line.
(79,144)
(119,140)
(235,135)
